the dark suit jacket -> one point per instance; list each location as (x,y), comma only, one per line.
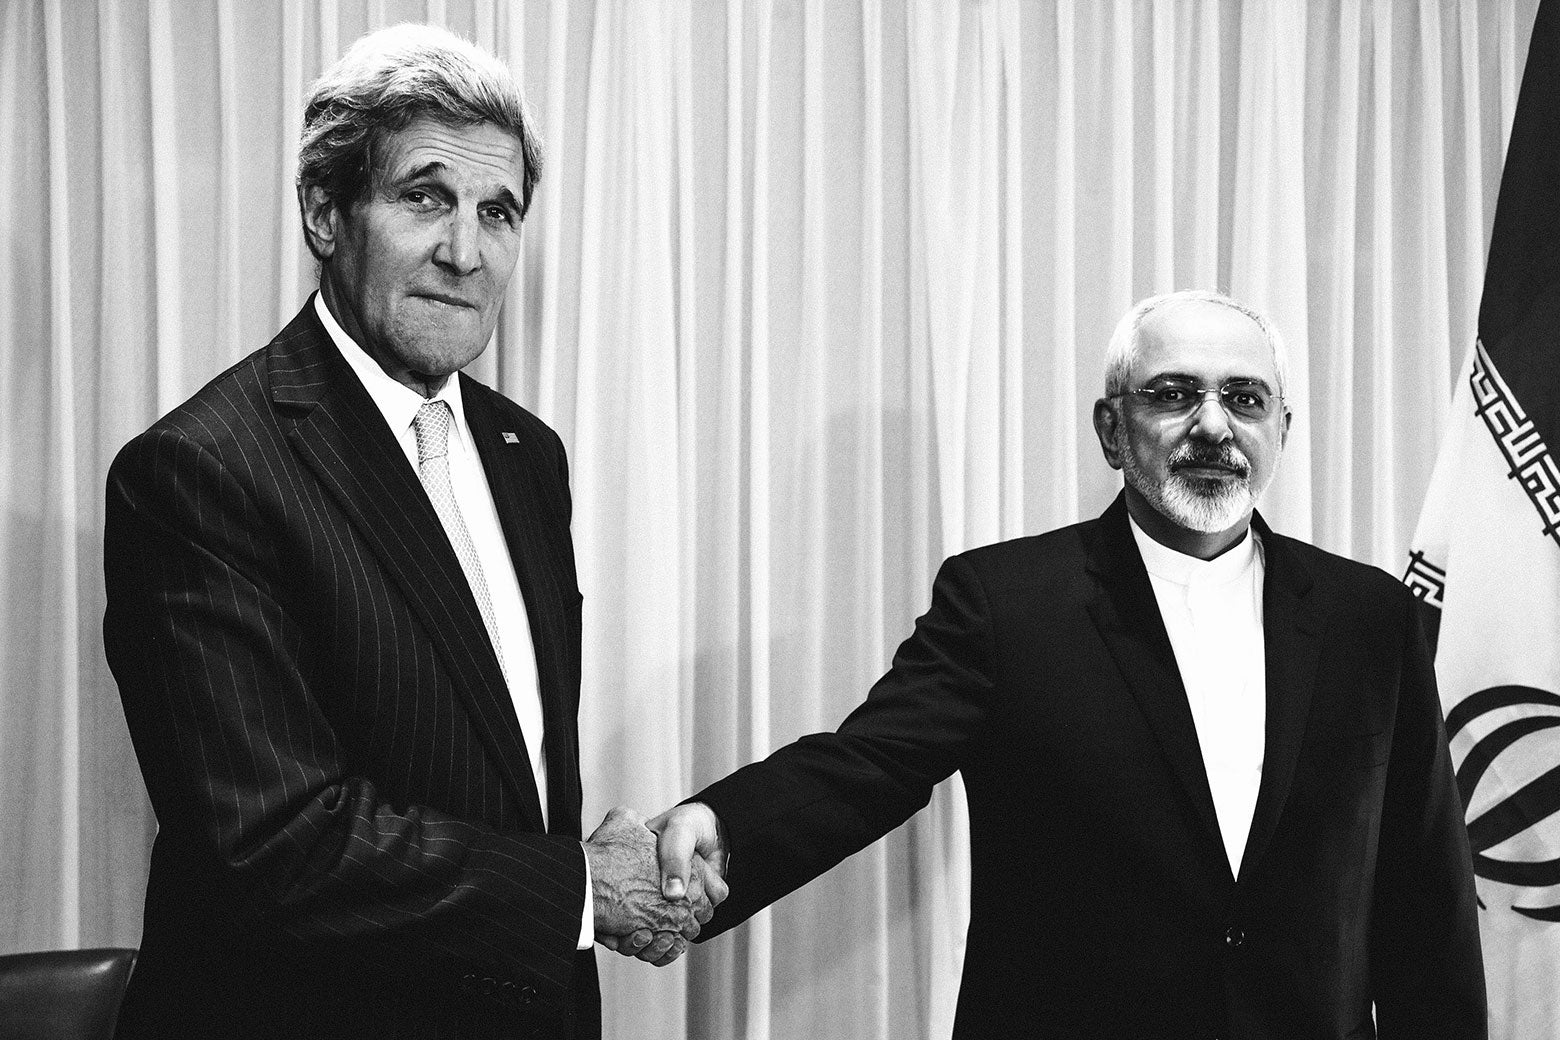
(350,842)
(1102,903)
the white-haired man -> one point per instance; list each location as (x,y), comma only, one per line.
(1208,782)
(343,616)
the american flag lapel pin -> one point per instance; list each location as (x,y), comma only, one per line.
(510,438)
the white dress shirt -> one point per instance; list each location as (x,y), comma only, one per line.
(399,404)
(1212,610)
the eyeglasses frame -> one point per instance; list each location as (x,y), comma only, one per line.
(1202,393)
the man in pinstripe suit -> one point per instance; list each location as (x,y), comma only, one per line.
(344,620)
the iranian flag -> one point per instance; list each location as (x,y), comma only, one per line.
(1486,557)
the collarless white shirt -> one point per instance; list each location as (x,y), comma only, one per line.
(399,403)
(1212,610)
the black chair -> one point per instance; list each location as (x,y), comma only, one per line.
(62,994)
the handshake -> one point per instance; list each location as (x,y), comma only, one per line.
(654,882)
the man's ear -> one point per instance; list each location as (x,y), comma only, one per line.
(1283,436)
(1107,427)
(321,220)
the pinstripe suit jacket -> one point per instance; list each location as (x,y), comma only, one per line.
(350,842)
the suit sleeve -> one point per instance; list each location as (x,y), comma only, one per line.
(226,704)
(812,803)
(1427,969)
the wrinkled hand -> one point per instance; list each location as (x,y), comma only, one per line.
(692,853)
(628,899)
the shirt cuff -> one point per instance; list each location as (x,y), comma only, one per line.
(588,915)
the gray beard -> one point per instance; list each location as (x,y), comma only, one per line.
(1205,506)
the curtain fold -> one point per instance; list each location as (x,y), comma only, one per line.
(1268,247)
(815,291)
(628,516)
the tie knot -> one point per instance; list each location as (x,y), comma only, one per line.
(432,426)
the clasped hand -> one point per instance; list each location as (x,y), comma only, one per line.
(655,882)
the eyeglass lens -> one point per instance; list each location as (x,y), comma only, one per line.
(1247,399)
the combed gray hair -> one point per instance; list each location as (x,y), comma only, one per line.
(390,77)
(1124,341)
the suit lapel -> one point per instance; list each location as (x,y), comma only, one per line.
(1291,632)
(518,495)
(343,438)
(1127,616)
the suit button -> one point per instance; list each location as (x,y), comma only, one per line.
(1234,938)
(527,995)
(486,987)
(468,983)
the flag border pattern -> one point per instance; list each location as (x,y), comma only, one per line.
(1425,579)
(1532,464)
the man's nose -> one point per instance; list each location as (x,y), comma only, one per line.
(1210,422)
(460,247)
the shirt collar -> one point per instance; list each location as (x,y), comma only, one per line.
(1165,563)
(396,401)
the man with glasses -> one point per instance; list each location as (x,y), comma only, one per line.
(1208,781)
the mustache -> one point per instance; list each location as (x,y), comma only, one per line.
(1220,456)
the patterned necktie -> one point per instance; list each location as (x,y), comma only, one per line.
(432,427)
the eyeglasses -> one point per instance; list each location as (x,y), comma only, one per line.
(1245,398)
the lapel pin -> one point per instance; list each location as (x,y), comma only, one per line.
(510,438)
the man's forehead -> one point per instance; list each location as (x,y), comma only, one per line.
(480,152)
(1192,335)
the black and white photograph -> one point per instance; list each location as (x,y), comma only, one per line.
(780,519)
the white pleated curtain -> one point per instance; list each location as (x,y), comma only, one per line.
(815,291)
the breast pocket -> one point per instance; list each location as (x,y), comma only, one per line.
(1370,750)
(1346,761)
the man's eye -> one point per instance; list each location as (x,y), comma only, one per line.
(1171,394)
(418,197)
(1245,399)
(498,214)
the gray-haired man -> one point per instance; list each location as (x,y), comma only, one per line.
(344,620)
(1209,788)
